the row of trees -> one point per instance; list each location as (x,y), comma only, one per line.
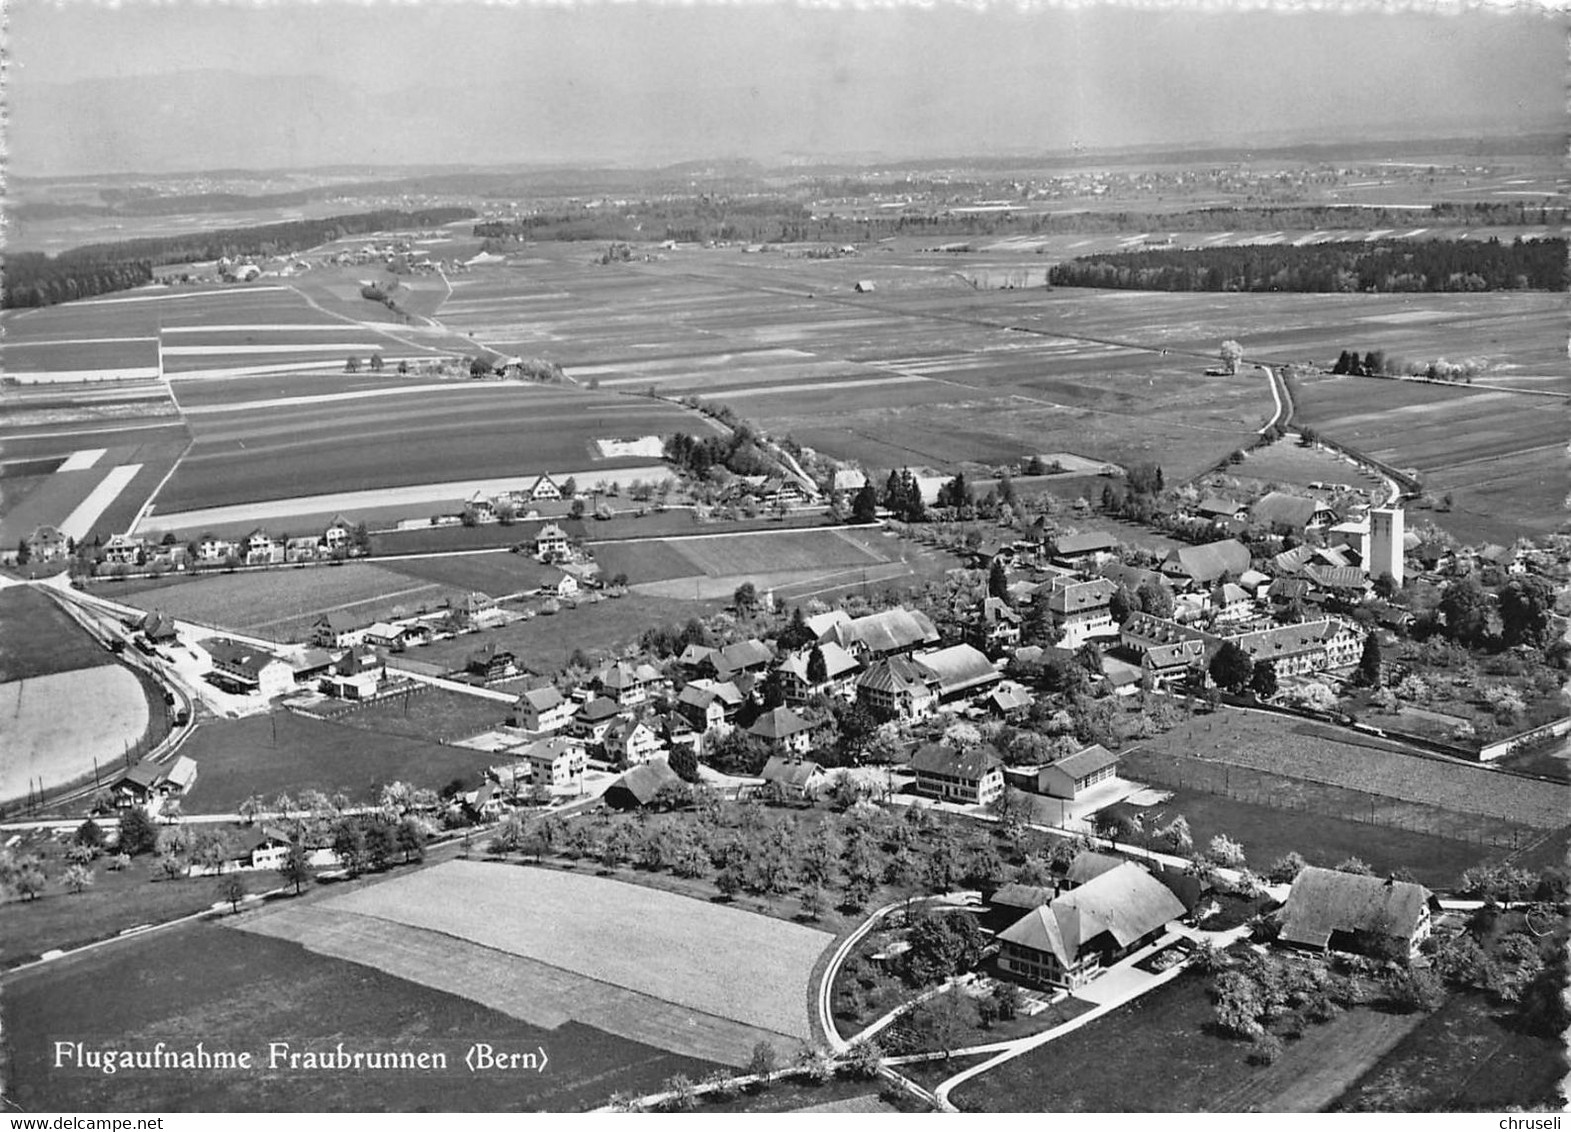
(1381,265)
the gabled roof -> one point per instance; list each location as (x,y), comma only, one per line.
(236,654)
(1337,577)
(182,772)
(1323,901)
(1296,511)
(744,654)
(897,674)
(837,662)
(542,699)
(1286,589)
(144,775)
(1228,593)
(1087,866)
(1208,562)
(550,532)
(1292,561)
(795,773)
(1218,506)
(1022,896)
(971,764)
(338,622)
(547,750)
(890,630)
(1132,577)
(822,625)
(694,655)
(1086,542)
(1074,597)
(1088,761)
(1010,697)
(643,783)
(778,723)
(1125,903)
(959,668)
(599,709)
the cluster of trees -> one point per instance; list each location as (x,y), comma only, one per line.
(903,496)
(1521,614)
(1375,363)
(1381,265)
(36,280)
(738,453)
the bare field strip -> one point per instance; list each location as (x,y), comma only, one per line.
(580,923)
(47,735)
(523,988)
(79,523)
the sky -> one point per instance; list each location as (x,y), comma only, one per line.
(165,85)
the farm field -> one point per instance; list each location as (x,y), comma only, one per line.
(1498,454)
(575,922)
(38,638)
(102,498)
(1289,464)
(265,754)
(281,604)
(428,713)
(238,990)
(1314,824)
(1318,754)
(1166,1039)
(49,741)
(1466,1057)
(544,643)
(137,894)
(404,439)
(495,573)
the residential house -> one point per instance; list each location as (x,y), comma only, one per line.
(262,549)
(1006,905)
(247,670)
(996,627)
(562,587)
(898,687)
(486,801)
(1277,510)
(489,663)
(628,684)
(179,777)
(551,544)
(1072,776)
(123,550)
(1082,608)
(849,480)
(839,679)
(886,633)
(591,722)
(972,777)
(147,783)
(784,730)
(1220,509)
(1204,565)
(631,742)
(824,626)
(1069,941)
(961,671)
(264,848)
(1087,865)
(1336,911)
(1283,592)
(214,549)
(336,631)
(481,507)
(702,705)
(310,666)
(355,675)
(339,534)
(675,731)
(555,761)
(798,778)
(1231,602)
(385,635)
(1347,583)
(642,785)
(544,709)
(1009,701)
(727,663)
(544,489)
(1255,584)
(158,627)
(302,549)
(47,544)
(1085,550)
(693,658)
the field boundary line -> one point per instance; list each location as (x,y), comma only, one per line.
(314,613)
